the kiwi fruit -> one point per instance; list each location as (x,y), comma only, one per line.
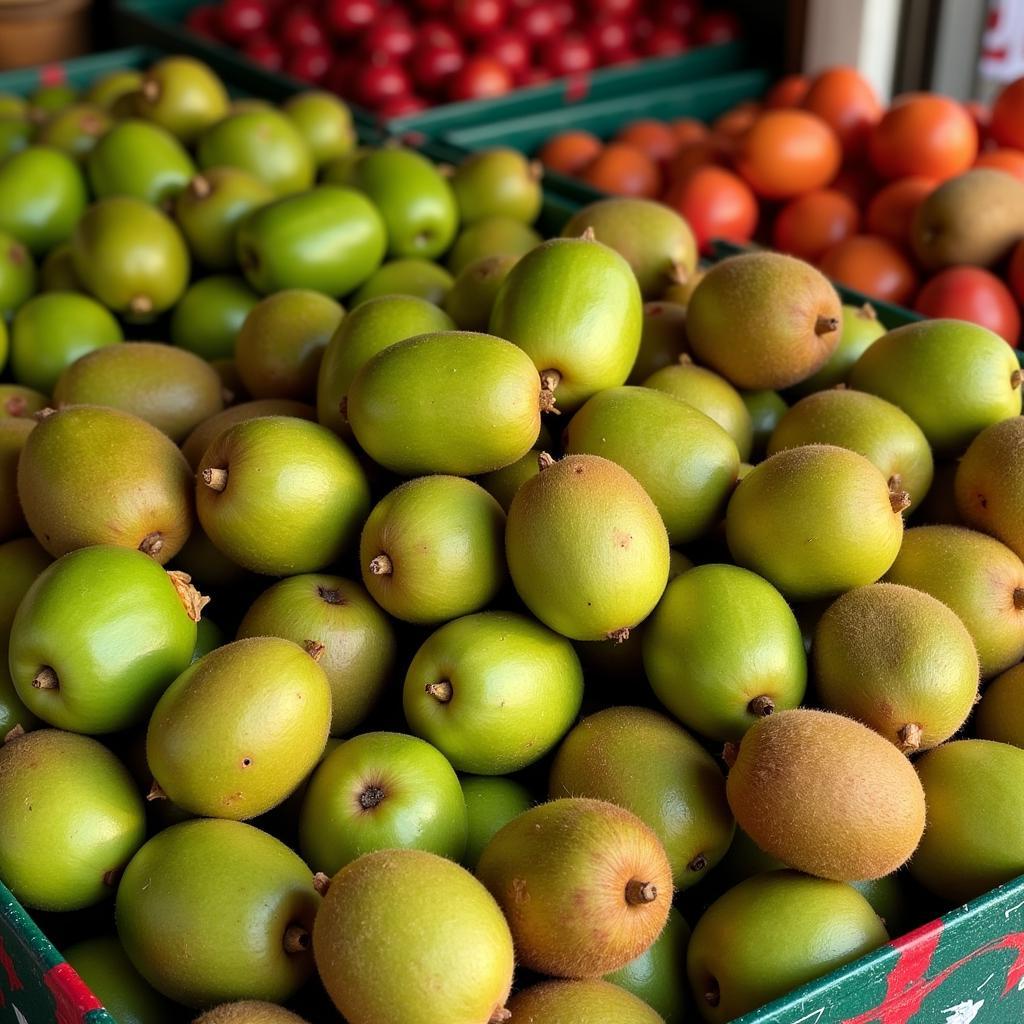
(470,299)
(975,836)
(13,434)
(249,1011)
(662,339)
(586,548)
(815,521)
(939,505)
(860,329)
(982,581)
(763,320)
(646,763)
(385,904)
(504,483)
(1000,714)
(91,475)
(989,483)
(766,408)
(826,795)
(868,425)
(576,1002)
(585,885)
(898,660)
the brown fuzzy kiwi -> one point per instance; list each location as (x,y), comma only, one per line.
(249,1011)
(826,795)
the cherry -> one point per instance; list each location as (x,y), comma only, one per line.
(479,17)
(240,19)
(480,78)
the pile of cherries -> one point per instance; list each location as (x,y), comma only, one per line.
(400,57)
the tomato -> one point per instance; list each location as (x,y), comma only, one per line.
(788,91)
(891,210)
(812,223)
(569,152)
(1007,125)
(687,130)
(1015,273)
(871,265)
(787,153)
(926,135)
(736,122)
(846,101)
(970,293)
(857,181)
(1009,160)
(655,138)
(623,170)
(698,154)
(717,204)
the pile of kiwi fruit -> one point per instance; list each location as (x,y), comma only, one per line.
(406,619)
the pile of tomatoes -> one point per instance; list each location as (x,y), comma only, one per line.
(398,57)
(820,169)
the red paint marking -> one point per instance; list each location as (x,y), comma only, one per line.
(71,995)
(14,983)
(52,74)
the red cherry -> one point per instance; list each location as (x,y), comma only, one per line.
(382,80)
(264,51)
(615,8)
(394,38)
(609,36)
(479,17)
(677,13)
(437,33)
(310,63)
(432,66)
(350,17)
(564,12)
(665,41)
(717,27)
(433,6)
(539,21)
(510,47)
(342,75)
(402,106)
(570,54)
(480,78)
(240,19)
(204,20)
(300,28)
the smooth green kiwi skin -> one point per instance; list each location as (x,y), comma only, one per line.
(1000,714)
(975,835)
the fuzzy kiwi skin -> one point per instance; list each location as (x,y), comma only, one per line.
(249,1011)
(898,660)
(815,521)
(1000,714)
(990,483)
(826,795)
(981,579)
(576,1002)
(764,320)
(566,874)
(975,835)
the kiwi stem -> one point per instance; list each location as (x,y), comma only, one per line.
(296,939)
(111,877)
(730,751)
(826,325)
(895,482)
(15,733)
(699,863)
(499,1016)
(200,187)
(381,566)
(867,311)
(156,792)
(638,893)
(321,883)
(761,707)
(215,478)
(1015,379)
(544,461)
(899,500)
(152,544)
(370,797)
(44,414)
(713,993)
(15,405)
(685,359)
(550,379)
(441,691)
(909,738)
(314,649)
(588,234)
(191,599)
(46,679)
(330,595)
(619,635)
(140,305)
(547,402)
(536,169)
(678,274)
(343,407)
(1018,598)
(151,90)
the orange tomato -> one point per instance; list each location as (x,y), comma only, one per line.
(623,170)
(687,130)
(788,91)
(717,204)
(871,265)
(1007,124)
(811,223)
(846,101)
(1009,160)
(655,138)
(787,153)
(926,135)
(733,123)
(891,210)
(697,154)
(856,180)
(1015,274)
(970,293)
(569,152)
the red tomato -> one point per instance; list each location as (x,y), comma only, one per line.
(717,204)
(924,134)
(1009,160)
(970,293)
(1015,274)
(812,223)
(871,265)
(846,101)
(891,210)
(788,91)
(787,153)
(1007,125)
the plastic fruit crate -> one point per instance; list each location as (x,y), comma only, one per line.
(162,23)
